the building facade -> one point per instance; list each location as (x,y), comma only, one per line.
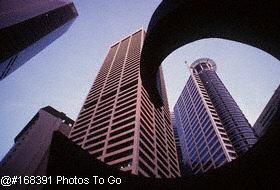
(28,26)
(264,120)
(214,131)
(176,131)
(119,125)
(29,154)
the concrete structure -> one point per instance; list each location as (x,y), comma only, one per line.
(29,154)
(213,128)
(176,23)
(119,125)
(264,120)
(28,26)
(256,169)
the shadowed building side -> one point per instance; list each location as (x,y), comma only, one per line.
(29,154)
(28,26)
(176,131)
(264,120)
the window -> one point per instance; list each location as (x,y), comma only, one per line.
(119,155)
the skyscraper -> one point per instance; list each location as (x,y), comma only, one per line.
(28,26)
(119,125)
(178,144)
(29,154)
(264,120)
(213,128)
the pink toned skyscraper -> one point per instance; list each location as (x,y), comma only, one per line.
(119,125)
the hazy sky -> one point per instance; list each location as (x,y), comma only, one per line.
(61,75)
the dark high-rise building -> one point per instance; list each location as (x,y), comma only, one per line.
(119,125)
(213,128)
(28,26)
(264,120)
(29,154)
(178,144)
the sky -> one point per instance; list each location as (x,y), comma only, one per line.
(62,74)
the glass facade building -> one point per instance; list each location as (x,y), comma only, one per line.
(178,144)
(119,125)
(212,128)
(28,26)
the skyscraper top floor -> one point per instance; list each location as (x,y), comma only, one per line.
(202,64)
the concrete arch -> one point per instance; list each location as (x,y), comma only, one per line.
(179,22)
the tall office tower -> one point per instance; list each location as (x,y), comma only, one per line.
(29,154)
(28,26)
(178,144)
(119,125)
(214,130)
(264,120)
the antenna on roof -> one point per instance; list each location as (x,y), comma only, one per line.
(188,65)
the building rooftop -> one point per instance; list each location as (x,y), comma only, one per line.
(210,64)
(49,110)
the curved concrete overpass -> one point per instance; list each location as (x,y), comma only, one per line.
(179,22)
